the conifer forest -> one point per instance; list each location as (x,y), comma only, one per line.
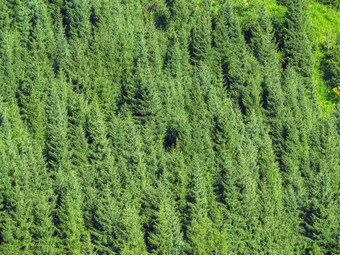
(169,127)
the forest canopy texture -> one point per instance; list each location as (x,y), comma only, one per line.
(169,127)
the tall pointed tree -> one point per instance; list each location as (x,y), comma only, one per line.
(239,67)
(166,237)
(322,219)
(297,47)
(57,146)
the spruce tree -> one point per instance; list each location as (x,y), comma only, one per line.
(70,222)
(144,97)
(77,109)
(7,75)
(106,221)
(239,67)
(77,18)
(42,196)
(62,53)
(57,146)
(202,32)
(200,230)
(272,233)
(167,237)
(322,220)
(294,156)
(103,171)
(297,47)
(167,127)
(333,64)
(236,178)
(16,200)
(101,181)
(265,50)
(129,232)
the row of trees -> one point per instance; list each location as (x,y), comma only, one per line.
(163,127)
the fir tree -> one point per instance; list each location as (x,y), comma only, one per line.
(16,200)
(239,67)
(57,147)
(201,33)
(144,98)
(166,237)
(130,235)
(70,221)
(200,228)
(77,18)
(168,127)
(7,75)
(333,64)
(322,221)
(106,220)
(297,46)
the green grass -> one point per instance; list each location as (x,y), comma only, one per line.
(325,24)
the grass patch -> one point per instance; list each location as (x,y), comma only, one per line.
(325,24)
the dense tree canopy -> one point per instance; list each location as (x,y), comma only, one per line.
(167,127)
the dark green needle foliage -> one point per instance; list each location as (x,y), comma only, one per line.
(169,127)
(57,144)
(167,237)
(70,221)
(297,46)
(238,64)
(322,224)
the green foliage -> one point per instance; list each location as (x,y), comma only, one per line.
(333,64)
(297,47)
(70,221)
(57,146)
(322,204)
(169,127)
(238,64)
(166,237)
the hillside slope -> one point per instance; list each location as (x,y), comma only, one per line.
(169,127)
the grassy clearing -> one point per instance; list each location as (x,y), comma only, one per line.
(325,24)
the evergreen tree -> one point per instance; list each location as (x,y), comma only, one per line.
(322,220)
(62,53)
(177,175)
(294,156)
(126,142)
(78,67)
(16,200)
(144,98)
(202,31)
(77,18)
(236,178)
(106,220)
(199,233)
(101,181)
(130,235)
(273,230)
(168,127)
(42,196)
(7,75)
(239,67)
(182,12)
(32,93)
(102,171)
(265,50)
(297,46)
(57,146)
(166,237)
(79,153)
(70,222)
